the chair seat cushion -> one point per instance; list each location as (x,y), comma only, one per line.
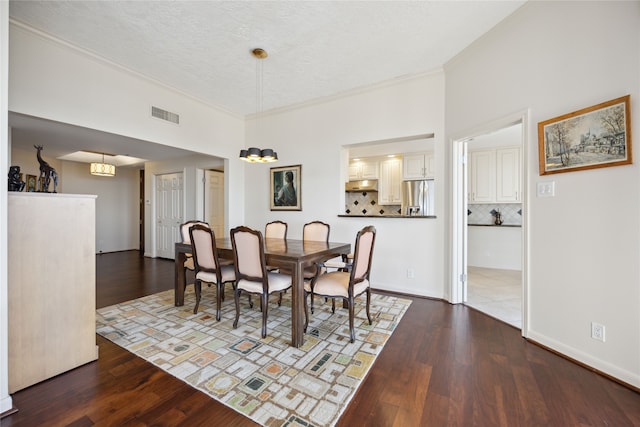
(188,264)
(277,282)
(227,271)
(336,283)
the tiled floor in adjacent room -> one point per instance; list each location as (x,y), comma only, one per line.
(497,293)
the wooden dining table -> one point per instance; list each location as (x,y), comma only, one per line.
(290,254)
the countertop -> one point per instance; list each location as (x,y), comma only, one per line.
(493,225)
(386,216)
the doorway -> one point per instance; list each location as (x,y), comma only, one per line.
(169,212)
(489,267)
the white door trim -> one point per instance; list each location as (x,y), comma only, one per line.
(458,223)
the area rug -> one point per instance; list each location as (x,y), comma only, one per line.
(266,379)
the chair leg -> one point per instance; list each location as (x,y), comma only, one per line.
(280,299)
(198,288)
(264,303)
(219,297)
(306,312)
(351,315)
(369,304)
(236,297)
(250,302)
(333,305)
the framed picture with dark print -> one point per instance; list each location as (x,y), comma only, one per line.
(286,189)
(595,137)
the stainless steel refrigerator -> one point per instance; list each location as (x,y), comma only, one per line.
(417,197)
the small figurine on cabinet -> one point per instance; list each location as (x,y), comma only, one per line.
(46,173)
(15,181)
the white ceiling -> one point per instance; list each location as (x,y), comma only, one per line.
(316,49)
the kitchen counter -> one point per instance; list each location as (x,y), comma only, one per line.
(493,225)
(386,216)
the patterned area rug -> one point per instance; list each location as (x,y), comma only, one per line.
(267,380)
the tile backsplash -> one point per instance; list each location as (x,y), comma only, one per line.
(366,203)
(484,213)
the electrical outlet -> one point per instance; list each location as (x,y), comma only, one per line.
(410,273)
(597,331)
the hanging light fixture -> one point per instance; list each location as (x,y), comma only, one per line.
(253,154)
(103,169)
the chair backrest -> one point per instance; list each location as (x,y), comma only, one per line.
(184,230)
(203,244)
(363,254)
(248,254)
(275,230)
(316,230)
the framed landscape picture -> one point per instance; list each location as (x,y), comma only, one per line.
(285,188)
(32,182)
(594,137)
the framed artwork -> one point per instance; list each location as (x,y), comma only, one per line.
(32,182)
(594,137)
(285,188)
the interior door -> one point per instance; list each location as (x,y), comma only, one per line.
(169,213)
(214,201)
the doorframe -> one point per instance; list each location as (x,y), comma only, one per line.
(458,231)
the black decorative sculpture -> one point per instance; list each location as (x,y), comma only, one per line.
(15,183)
(46,173)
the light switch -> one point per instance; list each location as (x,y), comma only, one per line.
(547,189)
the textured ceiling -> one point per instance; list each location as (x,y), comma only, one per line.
(316,48)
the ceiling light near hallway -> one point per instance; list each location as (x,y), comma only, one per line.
(253,154)
(103,169)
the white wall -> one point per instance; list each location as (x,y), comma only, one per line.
(553,58)
(5,400)
(313,136)
(51,80)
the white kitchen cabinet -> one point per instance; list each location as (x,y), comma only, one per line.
(482,176)
(363,169)
(418,166)
(508,175)
(390,183)
(494,175)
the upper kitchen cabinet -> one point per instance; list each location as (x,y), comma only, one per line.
(363,169)
(494,175)
(390,182)
(508,175)
(418,166)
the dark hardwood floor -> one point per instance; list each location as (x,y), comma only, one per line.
(445,365)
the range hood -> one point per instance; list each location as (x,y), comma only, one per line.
(362,185)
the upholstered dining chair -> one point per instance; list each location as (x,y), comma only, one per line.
(186,238)
(315,231)
(347,284)
(275,230)
(207,265)
(252,276)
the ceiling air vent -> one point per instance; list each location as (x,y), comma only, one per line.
(168,116)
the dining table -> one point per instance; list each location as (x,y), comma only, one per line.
(290,254)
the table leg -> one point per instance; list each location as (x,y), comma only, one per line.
(180,279)
(297,306)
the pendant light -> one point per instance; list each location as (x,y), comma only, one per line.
(253,154)
(103,169)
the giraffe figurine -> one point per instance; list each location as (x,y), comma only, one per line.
(46,173)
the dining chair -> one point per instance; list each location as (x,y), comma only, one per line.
(314,231)
(186,238)
(207,265)
(252,276)
(275,230)
(347,284)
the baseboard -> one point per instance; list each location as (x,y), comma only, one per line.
(6,407)
(621,376)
